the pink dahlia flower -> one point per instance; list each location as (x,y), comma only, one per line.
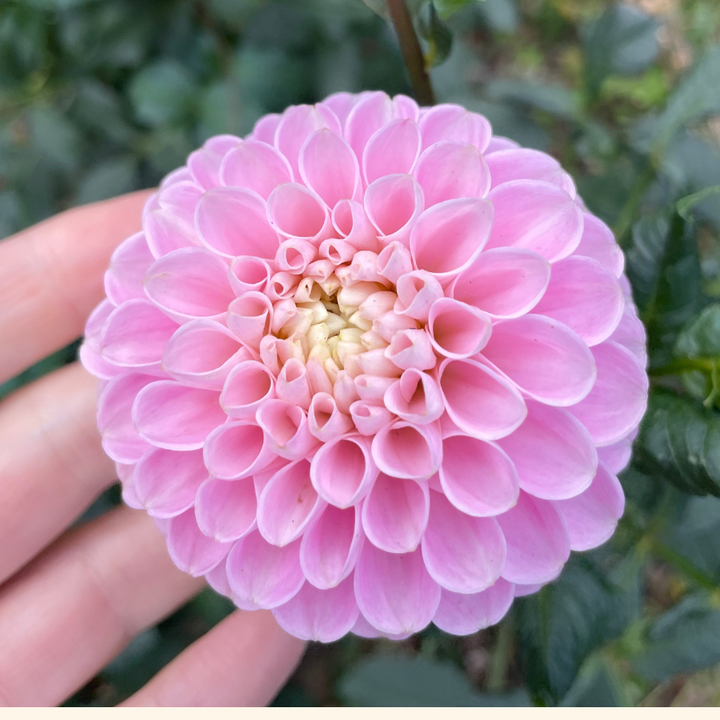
(370,367)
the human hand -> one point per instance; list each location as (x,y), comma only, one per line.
(70,601)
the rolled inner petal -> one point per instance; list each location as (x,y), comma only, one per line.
(392,204)
(415,397)
(286,429)
(458,330)
(236,450)
(404,450)
(248,385)
(393,149)
(248,274)
(226,511)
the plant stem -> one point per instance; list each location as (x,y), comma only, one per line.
(500,662)
(411,52)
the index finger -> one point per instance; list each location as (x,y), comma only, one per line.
(51,277)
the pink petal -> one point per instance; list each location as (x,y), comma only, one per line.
(394,592)
(526,164)
(554,455)
(395,514)
(343,470)
(372,112)
(394,261)
(90,355)
(592,516)
(262,574)
(372,388)
(498,143)
(479,401)
(166,481)
(287,504)
(408,451)
(617,455)
(248,386)
(225,511)
(135,335)
(545,359)
(351,222)
(415,398)
(329,167)
(249,317)
(461,614)
(537,541)
(364,629)
(202,353)
(326,421)
(295,255)
(393,149)
(232,222)
(295,211)
(411,349)
(292,384)
(458,330)
(618,399)
(190,550)
(331,545)
(189,283)
(369,419)
(266,127)
(449,236)
(478,478)
(319,615)
(524,590)
(462,553)
(236,450)
(248,274)
(341,103)
(125,476)
(535,215)
(120,439)
(205,163)
(172,416)
(505,282)
(217,579)
(453,122)
(416,292)
(256,166)
(585,297)
(165,218)
(123,280)
(406,108)
(630,333)
(392,204)
(598,243)
(286,429)
(450,170)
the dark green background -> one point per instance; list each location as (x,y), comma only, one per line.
(99,97)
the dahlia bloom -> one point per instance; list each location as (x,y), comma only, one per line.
(370,367)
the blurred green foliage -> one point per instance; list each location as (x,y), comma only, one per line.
(98,97)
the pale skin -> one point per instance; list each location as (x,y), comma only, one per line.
(70,600)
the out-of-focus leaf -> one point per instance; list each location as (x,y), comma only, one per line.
(98,107)
(447,8)
(438,35)
(380,7)
(162,93)
(560,626)
(684,639)
(502,16)
(396,681)
(56,137)
(700,339)
(11,212)
(679,441)
(220,110)
(595,687)
(108,179)
(688,203)
(512,122)
(553,99)
(622,40)
(58,4)
(663,266)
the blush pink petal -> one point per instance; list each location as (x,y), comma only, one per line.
(524,590)
(364,629)
(394,592)
(166,481)
(462,553)
(617,455)
(326,421)
(217,579)
(232,221)
(553,453)
(458,330)
(248,274)
(454,122)
(585,297)
(343,470)
(393,149)
(394,261)
(329,167)
(537,216)
(372,112)
(331,546)
(592,516)
(256,166)
(449,236)
(478,478)
(505,282)
(352,223)
(286,429)
(225,511)
(450,170)
(249,318)
(416,292)
(292,384)
(125,476)
(463,614)
(236,450)
(123,280)
(287,504)
(172,416)
(537,541)
(393,204)
(248,385)
(526,164)
(408,451)
(630,333)
(190,550)
(369,419)
(498,143)
(202,353)
(395,514)
(411,349)
(480,401)
(618,399)
(166,229)
(341,103)
(295,255)
(415,398)
(189,283)
(90,355)
(598,243)
(204,164)
(295,211)
(319,615)
(266,127)
(262,574)
(545,359)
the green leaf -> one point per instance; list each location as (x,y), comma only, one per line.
(688,203)
(447,8)
(682,640)
(663,267)
(56,137)
(622,40)
(437,34)
(679,442)
(396,681)
(553,99)
(596,686)
(108,179)
(162,93)
(700,339)
(560,626)
(502,16)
